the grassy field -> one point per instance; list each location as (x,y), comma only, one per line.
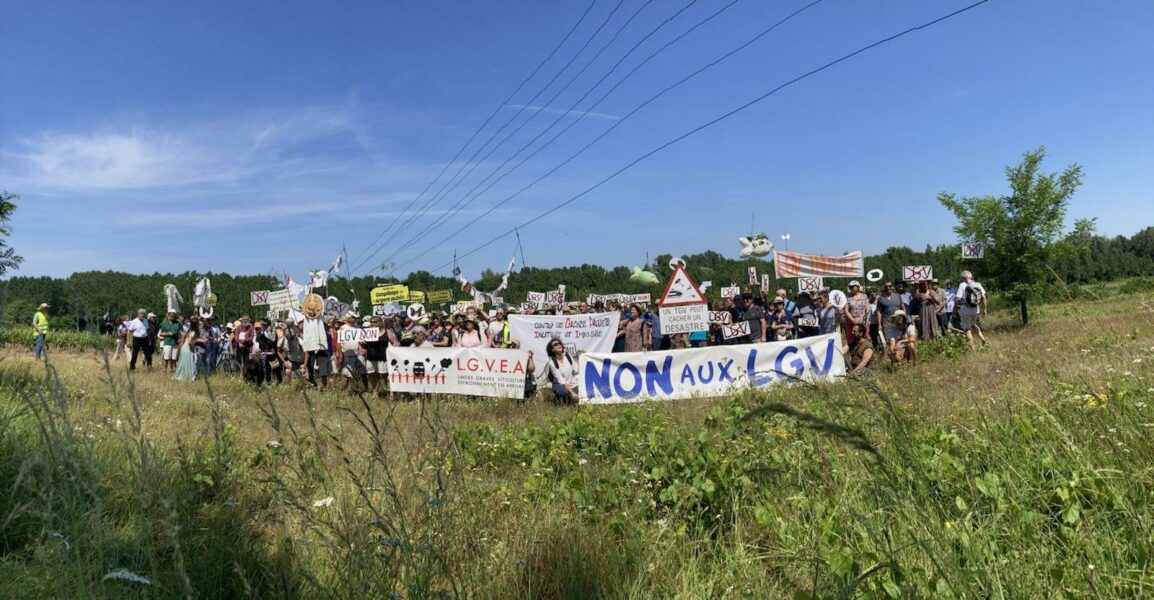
(1019,470)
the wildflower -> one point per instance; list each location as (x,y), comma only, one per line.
(327,501)
(949,524)
(1137,361)
(1140,404)
(273,444)
(582,461)
(1128,374)
(125,575)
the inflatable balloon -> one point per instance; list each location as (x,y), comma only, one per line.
(756,246)
(875,275)
(643,277)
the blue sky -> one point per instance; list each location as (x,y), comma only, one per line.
(255,137)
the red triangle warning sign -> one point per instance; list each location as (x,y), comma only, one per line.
(681,290)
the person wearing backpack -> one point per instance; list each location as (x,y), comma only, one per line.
(970,304)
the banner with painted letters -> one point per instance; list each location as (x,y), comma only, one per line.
(705,372)
(492,372)
(580,333)
(358,334)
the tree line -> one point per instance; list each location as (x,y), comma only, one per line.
(82,299)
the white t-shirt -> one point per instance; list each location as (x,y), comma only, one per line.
(960,298)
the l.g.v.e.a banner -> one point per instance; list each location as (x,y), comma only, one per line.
(705,372)
(493,372)
(579,333)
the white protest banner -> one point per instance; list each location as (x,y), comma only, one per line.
(593,299)
(736,330)
(387,309)
(705,372)
(258,298)
(684,319)
(720,316)
(753,276)
(491,372)
(810,284)
(282,300)
(580,333)
(971,251)
(537,298)
(764,281)
(335,308)
(497,301)
(641,299)
(555,297)
(918,273)
(730,292)
(356,334)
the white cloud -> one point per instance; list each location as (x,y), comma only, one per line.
(255,149)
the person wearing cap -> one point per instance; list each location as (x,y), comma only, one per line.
(780,323)
(169,336)
(40,327)
(904,344)
(138,328)
(421,338)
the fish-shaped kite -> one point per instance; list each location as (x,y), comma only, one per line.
(644,277)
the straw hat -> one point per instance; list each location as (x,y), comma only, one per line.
(900,317)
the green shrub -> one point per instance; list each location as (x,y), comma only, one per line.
(68,340)
(1140,285)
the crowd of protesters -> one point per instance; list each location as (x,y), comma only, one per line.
(875,323)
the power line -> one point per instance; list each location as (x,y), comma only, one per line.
(723,117)
(635,110)
(510,120)
(486,122)
(466,200)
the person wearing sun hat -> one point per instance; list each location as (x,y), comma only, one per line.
(905,343)
(40,327)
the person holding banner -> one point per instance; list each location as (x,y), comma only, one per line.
(375,353)
(805,315)
(561,372)
(351,364)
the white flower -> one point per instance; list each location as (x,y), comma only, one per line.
(126,575)
(582,461)
(1127,374)
(323,502)
(273,444)
(1137,360)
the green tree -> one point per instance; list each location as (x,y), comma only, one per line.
(8,259)
(1023,232)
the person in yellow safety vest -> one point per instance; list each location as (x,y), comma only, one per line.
(40,326)
(499,330)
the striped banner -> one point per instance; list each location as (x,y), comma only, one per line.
(793,264)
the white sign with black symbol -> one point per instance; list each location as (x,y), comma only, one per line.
(416,311)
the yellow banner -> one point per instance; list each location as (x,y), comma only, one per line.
(386,294)
(416,296)
(445,296)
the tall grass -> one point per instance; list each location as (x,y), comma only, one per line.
(1019,470)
